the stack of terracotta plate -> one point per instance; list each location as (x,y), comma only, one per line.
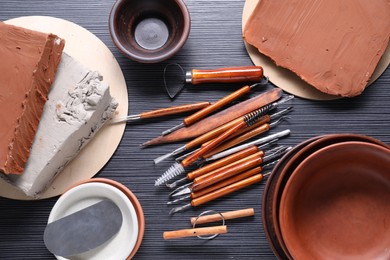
(329,198)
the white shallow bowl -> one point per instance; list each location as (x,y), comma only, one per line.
(120,245)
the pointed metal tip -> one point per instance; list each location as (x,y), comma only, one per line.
(178,209)
(144,144)
(175,183)
(181,192)
(162,158)
(173,129)
(178,200)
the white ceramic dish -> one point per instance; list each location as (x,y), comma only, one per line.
(84,195)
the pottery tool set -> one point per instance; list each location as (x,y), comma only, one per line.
(221,137)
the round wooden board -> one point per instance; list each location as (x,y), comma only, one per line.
(287,80)
(93,53)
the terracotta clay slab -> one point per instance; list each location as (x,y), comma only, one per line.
(93,53)
(286,79)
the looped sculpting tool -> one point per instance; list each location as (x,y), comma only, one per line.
(230,188)
(177,168)
(208,110)
(161,112)
(219,130)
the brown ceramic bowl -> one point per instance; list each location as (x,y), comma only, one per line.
(149,31)
(280,175)
(335,204)
(271,227)
(134,201)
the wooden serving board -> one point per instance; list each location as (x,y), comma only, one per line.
(287,80)
(93,53)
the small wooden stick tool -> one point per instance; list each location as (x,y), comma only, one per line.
(192,232)
(227,215)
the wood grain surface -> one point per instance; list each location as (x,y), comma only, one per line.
(215,41)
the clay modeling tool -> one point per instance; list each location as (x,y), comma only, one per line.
(245,134)
(248,120)
(220,192)
(227,171)
(212,108)
(177,168)
(83,230)
(187,195)
(219,130)
(193,232)
(261,128)
(218,119)
(244,146)
(226,215)
(175,78)
(220,163)
(161,112)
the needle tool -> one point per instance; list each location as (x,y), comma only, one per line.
(217,131)
(221,192)
(209,109)
(161,112)
(177,168)
(227,171)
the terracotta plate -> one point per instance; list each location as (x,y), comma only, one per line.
(286,79)
(335,204)
(93,53)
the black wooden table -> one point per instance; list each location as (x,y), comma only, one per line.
(215,41)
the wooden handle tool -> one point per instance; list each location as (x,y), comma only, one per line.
(225,75)
(210,178)
(226,215)
(209,109)
(219,118)
(227,190)
(222,162)
(219,193)
(162,112)
(192,232)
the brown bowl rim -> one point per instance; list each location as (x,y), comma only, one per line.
(150,59)
(281,177)
(312,155)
